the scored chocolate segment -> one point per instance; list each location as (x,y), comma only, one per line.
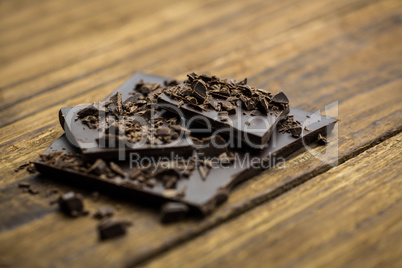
(234,108)
(93,143)
(189,188)
(134,127)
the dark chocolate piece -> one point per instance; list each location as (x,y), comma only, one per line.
(204,98)
(72,204)
(200,195)
(162,136)
(173,212)
(111,228)
(189,188)
(280,98)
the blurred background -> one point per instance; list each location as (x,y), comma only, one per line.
(289,45)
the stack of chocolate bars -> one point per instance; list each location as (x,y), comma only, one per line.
(181,146)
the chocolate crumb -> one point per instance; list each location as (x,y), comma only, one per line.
(72,204)
(111,228)
(322,140)
(280,98)
(24,185)
(296,131)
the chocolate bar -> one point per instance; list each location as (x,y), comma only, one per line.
(202,189)
(234,108)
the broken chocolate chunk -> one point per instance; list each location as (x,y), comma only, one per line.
(72,204)
(280,98)
(173,212)
(200,90)
(227,106)
(263,104)
(296,131)
(291,126)
(91,110)
(111,228)
(117,104)
(146,88)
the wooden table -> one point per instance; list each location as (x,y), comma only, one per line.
(309,213)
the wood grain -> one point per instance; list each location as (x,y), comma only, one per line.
(348,217)
(317,51)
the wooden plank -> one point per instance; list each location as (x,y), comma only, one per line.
(97,40)
(20,110)
(348,217)
(163,44)
(149,22)
(14,14)
(338,55)
(48,20)
(86,18)
(148,237)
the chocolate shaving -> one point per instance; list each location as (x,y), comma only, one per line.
(322,140)
(111,228)
(146,88)
(204,91)
(290,126)
(124,124)
(72,204)
(117,104)
(280,98)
